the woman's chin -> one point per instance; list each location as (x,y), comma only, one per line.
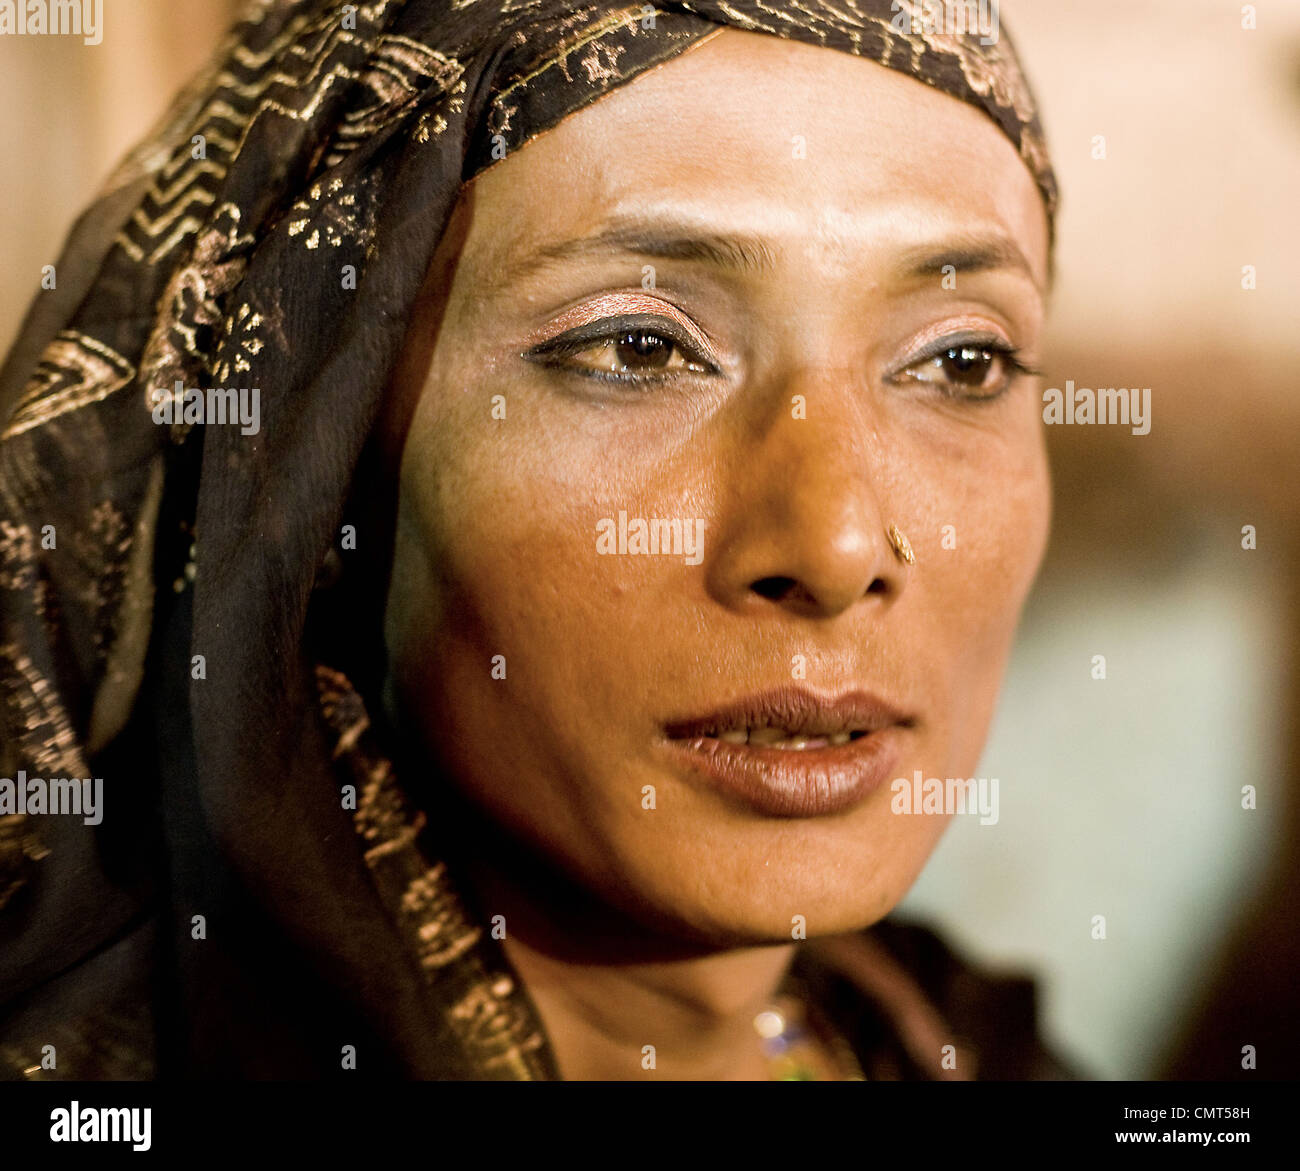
(757,905)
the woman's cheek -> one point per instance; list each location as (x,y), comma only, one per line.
(995,508)
(986,516)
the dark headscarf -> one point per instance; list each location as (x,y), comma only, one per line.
(161,585)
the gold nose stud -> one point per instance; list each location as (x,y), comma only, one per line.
(901,545)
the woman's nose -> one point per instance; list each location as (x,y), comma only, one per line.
(801,524)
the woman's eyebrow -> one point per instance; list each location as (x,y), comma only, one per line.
(657,239)
(965,254)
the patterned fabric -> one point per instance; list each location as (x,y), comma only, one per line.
(157,581)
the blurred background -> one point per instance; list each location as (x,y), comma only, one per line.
(1123,796)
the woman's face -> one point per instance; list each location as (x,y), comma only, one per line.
(719,296)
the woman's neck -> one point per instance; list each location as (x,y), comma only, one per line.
(618,999)
(679,1019)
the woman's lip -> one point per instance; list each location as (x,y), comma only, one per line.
(796,709)
(794,782)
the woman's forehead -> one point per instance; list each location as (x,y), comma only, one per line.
(771,144)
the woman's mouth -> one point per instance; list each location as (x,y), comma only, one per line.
(791,752)
(799,740)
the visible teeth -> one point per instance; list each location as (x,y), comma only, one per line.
(770,737)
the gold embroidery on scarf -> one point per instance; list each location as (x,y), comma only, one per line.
(20,848)
(486,1010)
(239,104)
(46,745)
(623,18)
(74,370)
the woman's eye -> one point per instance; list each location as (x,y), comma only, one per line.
(635,351)
(622,352)
(969,369)
(642,348)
